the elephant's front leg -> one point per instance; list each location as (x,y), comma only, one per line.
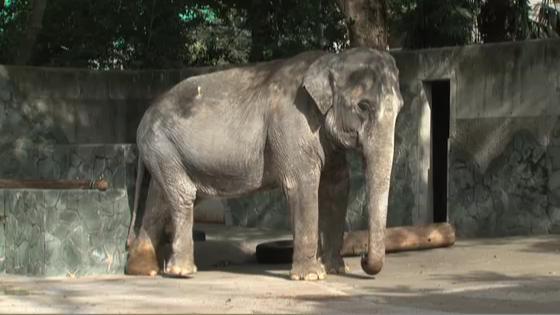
(302,194)
(333,203)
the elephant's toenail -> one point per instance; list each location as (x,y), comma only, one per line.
(311,276)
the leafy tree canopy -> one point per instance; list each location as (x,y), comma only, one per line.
(133,34)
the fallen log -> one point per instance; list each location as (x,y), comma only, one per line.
(402,239)
(101,184)
(355,243)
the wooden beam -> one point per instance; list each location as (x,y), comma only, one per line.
(100,185)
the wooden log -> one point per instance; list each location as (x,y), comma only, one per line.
(101,184)
(402,239)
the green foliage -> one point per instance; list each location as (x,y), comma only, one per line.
(504,20)
(198,11)
(436,23)
(547,19)
(219,40)
(132,34)
(111,34)
(13,16)
(282,28)
(108,34)
(433,23)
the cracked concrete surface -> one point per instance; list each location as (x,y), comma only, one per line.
(506,275)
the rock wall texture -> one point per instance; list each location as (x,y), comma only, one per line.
(70,124)
(68,232)
(60,106)
(503,144)
(517,193)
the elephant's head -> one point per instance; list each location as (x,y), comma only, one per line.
(358,93)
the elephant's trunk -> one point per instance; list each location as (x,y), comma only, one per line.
(378,158)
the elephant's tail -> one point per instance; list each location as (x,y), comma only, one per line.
(137,189)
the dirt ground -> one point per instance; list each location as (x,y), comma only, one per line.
(506,275)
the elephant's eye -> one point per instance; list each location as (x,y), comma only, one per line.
(364,105)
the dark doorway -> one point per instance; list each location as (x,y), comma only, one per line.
(440,103)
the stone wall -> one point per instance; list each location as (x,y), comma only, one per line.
(504,128)
(69,124)
(60,106)
(68,232)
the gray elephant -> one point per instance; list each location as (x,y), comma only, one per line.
(286,124)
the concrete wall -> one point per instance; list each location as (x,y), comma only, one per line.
(70,124)
(69,232)
(49,105)
(504,134)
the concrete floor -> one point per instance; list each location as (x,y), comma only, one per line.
(507,275)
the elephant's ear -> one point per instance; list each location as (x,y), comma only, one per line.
(318,81)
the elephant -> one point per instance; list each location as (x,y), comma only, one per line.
(285,124)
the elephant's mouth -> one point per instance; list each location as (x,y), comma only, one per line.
(351,139)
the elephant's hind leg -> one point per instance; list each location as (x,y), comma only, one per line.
(333,203)
(142,256)
(144,250)
(180,192)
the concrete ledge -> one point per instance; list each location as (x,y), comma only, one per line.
(58,232)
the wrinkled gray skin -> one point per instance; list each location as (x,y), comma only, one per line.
(287,124)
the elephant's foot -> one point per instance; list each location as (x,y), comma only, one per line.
(180,266)
(142,259)
(334,264)
(373,267)
(309,271)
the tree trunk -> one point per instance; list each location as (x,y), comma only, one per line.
(34,25)
(260,18)
(366,20)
